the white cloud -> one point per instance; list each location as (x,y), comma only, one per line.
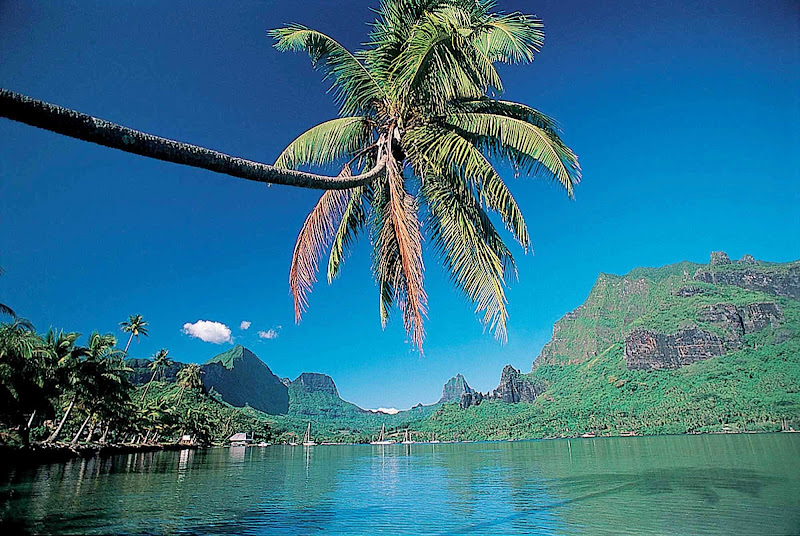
(245,324)
(208,331)
(388,411)
(269,334)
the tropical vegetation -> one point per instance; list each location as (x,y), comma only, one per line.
(54,390)
(423,96)
(136,326)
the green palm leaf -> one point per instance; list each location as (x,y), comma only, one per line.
(354,218)
(471,249)
(353,86)
(525,144)
(326,143)
(444,152)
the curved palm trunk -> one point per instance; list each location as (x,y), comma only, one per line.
(129,344)
(80,430)
(57,431)
(148,385)
(105,433)
(89,435)
(84,127)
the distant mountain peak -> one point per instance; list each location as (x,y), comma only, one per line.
(454,388)
(314,382)
(242,379)
(230,358)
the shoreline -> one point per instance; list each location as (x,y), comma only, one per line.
(39,454)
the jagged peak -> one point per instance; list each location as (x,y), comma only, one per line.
(229,358)
(454,388)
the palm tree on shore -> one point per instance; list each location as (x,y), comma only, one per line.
(136,326)
(160,362)
(423,96)
(189,376)
(85,369)
(23,385)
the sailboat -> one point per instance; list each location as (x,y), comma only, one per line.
(407,438)
(382,439)
(307,442)
(433,439)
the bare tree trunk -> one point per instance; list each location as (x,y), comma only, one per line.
(57,431)
(183,388)
(105,433)
(84,127)
(129,343)
(153,377)
(30,421)
(94,424)
(80,430)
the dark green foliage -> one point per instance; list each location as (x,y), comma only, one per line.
(241,378)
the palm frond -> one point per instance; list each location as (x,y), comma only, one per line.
(526,145)
(353,87)
(445,153)
(327,142)
(354,218)
(440,61)
(398,259)
(314,238)
(6,310)
(471,249)
(511,38)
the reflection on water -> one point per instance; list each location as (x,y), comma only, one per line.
(748,484)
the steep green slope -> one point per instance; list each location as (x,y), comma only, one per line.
(661,350)
(242,379)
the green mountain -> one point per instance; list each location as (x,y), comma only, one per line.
(454,388)
(240,378)
(142,372)
(683,348)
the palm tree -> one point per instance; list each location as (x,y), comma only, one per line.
(5,309)
(23,374)
(135,325)
(189,376)
(159,363)
(423,96)
(86,371)
(103,377)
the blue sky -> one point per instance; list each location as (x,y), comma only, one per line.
(684,115)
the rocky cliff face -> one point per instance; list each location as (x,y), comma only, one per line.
(241,378)
(313,382)
(514,387)
(142,373)
(662,317)
(779,280)
(454,388)
(583,333)
(646,349)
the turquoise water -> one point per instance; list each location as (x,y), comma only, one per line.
(733,484)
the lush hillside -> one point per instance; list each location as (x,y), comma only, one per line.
(685,348)
(679,349)
(242,379)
